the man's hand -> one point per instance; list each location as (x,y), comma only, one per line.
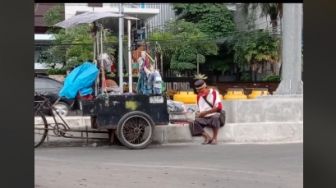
(202,114)
(197,114)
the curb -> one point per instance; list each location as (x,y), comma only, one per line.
(264,132)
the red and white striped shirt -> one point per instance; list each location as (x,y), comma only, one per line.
(213,97)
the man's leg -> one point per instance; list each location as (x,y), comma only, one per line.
(206,136)
(215,124)
(215,133)
(199,125)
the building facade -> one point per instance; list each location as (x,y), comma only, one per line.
(253,20)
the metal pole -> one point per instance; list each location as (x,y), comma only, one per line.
(161,59)
(130,81)
(95,61)
(101,39)
(120,58)
(97,52)
(94,48)
(101,61)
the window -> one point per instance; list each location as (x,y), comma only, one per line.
(47,85)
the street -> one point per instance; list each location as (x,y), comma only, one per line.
(171,166)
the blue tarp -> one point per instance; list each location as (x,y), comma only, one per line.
(81,80)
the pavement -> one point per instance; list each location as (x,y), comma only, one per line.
(171,165)
(263,120)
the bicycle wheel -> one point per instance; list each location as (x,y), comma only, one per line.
(40,128)
(135,130)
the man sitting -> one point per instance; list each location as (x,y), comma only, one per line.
(209,105)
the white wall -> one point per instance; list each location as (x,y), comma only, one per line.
(166,14)
(260,22)
(129,8)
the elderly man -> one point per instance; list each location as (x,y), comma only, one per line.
(209,105)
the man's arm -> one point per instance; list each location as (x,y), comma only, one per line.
(204,113)
(216,108)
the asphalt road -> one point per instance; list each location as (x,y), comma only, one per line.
(171,166)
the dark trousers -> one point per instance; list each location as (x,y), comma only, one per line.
(200,123)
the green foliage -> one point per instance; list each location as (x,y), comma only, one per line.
(246,77)
(217,24)
(53,15)
(72,46)
(57,71)
(220,64)
(200,77)
(272,78)
(255,47)
(183,43)
(213,19)
(273,10)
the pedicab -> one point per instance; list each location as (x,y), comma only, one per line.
(132,117)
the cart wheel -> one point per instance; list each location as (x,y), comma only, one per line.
(40,128)
(135,130)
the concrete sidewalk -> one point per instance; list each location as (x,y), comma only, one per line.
(232,132)
(265,119)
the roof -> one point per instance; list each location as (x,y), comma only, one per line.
(141,13)
(40,10)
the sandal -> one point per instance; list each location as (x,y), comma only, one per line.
(208,141)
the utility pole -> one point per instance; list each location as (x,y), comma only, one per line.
(120,56)
(130,77)
(291,79)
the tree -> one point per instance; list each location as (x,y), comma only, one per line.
(216,22)
(254,48)
(273,10)
(213,19)
(53,15)
(72,46)
(184,44)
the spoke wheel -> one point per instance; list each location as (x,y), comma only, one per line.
(135,130)
(40,128)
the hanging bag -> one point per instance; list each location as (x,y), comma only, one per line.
(193,131)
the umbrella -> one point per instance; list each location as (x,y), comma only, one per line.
(89,17)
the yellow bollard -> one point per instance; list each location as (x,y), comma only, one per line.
(187,97)
(258,92)
(235,94)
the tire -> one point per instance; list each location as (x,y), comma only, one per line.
(135,130)
(40,128)
(62,108)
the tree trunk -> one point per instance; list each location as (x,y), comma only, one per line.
(253,71)
(273,67)
(278,71)
(274,23)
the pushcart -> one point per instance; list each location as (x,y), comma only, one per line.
(131,117)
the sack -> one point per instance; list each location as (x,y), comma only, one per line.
(192,130)
(222,118)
